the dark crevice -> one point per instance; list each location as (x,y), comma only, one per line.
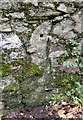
(41,35)
(48,60)
(24,45)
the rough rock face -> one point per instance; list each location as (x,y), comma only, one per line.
(64,29)
(38,48)
(9,41)
(38,33)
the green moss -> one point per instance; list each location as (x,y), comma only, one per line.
(27,70)
(66,81)
(11,10)
(34,70)
(62,81)
(29,34)
(2,57)
(10,96)
(5,69)
(76,4)
(10,87)
(0,73)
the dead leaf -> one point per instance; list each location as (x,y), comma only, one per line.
(63,116)
(49,113)
(61,113)
(64,103)
(70,115)
(55,107)
(75,109)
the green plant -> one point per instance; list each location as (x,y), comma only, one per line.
(66,54)
(5,69)
(26,71)
(72,52)
(69,64)
(76,94)
(73,42)
(75,52)
(11,87)
(55,97)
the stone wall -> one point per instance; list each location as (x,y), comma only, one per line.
(38,33)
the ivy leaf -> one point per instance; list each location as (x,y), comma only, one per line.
(73,42)
(81,65)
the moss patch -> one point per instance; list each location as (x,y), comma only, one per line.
(5,69)
(11,97)
(66,81)
(26,71)
(11,87)
(62,81)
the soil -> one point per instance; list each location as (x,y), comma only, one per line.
(63,109)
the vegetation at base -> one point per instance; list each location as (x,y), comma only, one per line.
(71,86)
(66,81)
(62,81)
(11,97)
(25,77)
(75,94)
(72,52)
(64,86)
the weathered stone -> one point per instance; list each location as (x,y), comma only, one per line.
(70,35)
(4,4)
(79,47)
(36,91)
(38,43)
(9,41)
(59,18)
(62,8)
(67,1)
(55,52)
(7,4)
(78,20)
(35,2)
(53,40)
(48,5)
(5,27)
(65,8)
(19,26)
(41,13)
(3,19)
(64,28)
(16,15)
(1,105)
(16,55)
